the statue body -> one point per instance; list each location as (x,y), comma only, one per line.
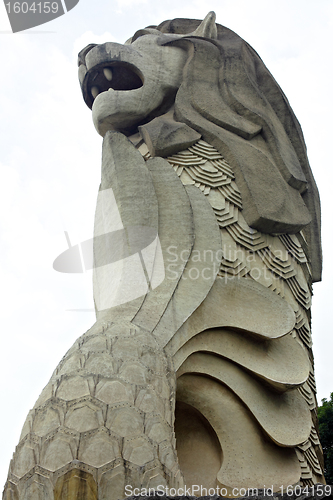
(199,368)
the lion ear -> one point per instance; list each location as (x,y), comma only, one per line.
(207,29)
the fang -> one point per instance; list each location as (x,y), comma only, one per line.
(94,92)
(108,74)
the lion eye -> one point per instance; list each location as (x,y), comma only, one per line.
(146,31)
(137,35)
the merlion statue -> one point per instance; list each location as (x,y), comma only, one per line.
(199,368)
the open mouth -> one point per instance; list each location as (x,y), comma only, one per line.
(113,76)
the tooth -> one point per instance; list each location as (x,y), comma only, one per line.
(110,89)
(94,92)
(108,74)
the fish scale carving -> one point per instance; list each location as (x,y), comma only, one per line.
(285,263)
(94,421)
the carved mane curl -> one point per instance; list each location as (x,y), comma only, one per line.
(230,98)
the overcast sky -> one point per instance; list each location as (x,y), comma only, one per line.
(50,169)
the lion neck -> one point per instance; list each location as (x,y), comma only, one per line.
(164,136)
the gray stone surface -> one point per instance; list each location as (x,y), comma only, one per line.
(199,368)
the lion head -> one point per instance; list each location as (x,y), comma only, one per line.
(185,79)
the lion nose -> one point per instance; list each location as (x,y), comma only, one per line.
(83,53)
